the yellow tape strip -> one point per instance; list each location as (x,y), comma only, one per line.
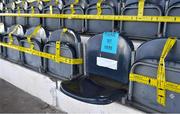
(173,19)
(32,10)
(10,34)
(19,11)
(33,34)
(98,5)
(53,57)
(161,76)
(73,11)
(51,9)
(160,83)
(141,7)
(146,80)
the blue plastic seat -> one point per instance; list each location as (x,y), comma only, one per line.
(71,47)
(115,3)
(29,60)
(146,63)
(171,29)
(20,8)
(103,26)
(48,23)
(34,7)
(9,21)
(74,24)
(107,71)
(11,54)
(144,30)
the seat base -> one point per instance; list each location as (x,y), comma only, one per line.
(92,90)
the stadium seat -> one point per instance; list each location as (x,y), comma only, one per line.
(171,29)
(144,30)
(82,3)
(103,26)
(75,24)
(20,8)
(9,21)
(17,35)
(115,3)
(146,63)
(34,7)
(70,47)
(2,7)
(48,23)
(38,41)
(108,62)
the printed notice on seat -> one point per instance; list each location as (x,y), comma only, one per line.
(110,42)
(107,63)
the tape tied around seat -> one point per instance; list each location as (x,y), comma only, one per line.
(33,34)
(161,73)
(73,11)
(98,6)
(141,7)
(12,32)
(160,83)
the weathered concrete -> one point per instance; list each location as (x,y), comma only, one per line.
(15,100)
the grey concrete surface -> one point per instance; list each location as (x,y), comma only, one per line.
(14,100)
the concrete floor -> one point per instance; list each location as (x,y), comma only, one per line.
(14,100)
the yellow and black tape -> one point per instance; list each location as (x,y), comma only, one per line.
(160,83)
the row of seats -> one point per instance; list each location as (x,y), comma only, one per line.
(144,30)
(108,63)
(71,47)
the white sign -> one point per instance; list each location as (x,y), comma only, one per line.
(108,63)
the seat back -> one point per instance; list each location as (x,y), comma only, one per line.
(109,56)
(20,8)
(48,23)
(153,50)
(70,47)
(31,61)
(9,21)
(171,29)
(2,7)
(103,26)
(143,30)
(82,3)
(11,54)
(114,3)
(76,25)
(34,7)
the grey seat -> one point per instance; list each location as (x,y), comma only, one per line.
(71,47)
(142,30)
(12,54)
(34,7)
(2,7)
(115,3)
(82,3)
(20,8)
(9,21)
(107,71)
(32,61)
(51,24)
(103,26)
(146,63)
(171,29)
(75,24)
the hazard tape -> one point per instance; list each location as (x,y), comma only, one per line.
(56,58)
(160,83)
(139,18)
